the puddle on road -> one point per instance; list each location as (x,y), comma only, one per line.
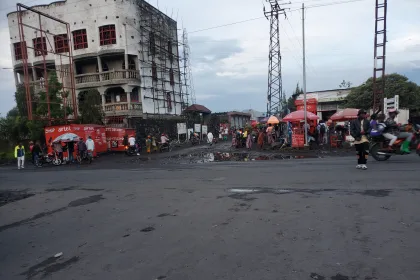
(237,156)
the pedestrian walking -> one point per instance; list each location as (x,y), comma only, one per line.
(36,151)
(249,140)
(70,151)
(31,146)
(359,129)
(148,144)
(261,139)
(20,155)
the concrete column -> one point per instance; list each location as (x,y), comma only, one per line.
(34,75)
(16,77)
(100,68)
(129,100)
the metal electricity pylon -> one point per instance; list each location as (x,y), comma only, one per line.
(379,55)
(275,87)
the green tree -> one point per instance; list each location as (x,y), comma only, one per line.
(56,94)
(361,97)
(291,101)
(90,107)
(13,127)
(345,84)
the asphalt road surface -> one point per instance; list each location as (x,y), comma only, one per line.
(289,219)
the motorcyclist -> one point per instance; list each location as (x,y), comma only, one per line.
(164,141)
(392,127)
(132,143)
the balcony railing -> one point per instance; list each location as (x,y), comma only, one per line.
(124,108)
(107,76)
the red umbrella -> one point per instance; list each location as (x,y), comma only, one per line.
(345,115)
(300,116)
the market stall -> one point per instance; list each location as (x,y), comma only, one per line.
(297,119)
(341,119)
(73,132)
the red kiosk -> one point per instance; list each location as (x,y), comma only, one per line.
(73,132)
(115,138)
(297,120)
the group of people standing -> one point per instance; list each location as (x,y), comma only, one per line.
(246,137)
(58,148)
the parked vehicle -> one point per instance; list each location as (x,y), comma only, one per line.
(194,140)
(167,146)
(130,151)
(49,158)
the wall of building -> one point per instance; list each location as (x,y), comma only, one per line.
(127,18)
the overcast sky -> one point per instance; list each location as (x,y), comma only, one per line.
(230,63)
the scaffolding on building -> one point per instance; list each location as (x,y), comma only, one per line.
(159,57)
(60,47)
(188,90)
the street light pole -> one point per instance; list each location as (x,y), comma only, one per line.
(304,75)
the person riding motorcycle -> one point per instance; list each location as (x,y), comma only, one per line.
(132,144)
(393,128)
(164,141)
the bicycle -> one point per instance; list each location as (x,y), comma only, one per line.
(87,156)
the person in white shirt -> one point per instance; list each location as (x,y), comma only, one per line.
(163,139)
(90,145)
(210,138)
(132,141)
(132,144)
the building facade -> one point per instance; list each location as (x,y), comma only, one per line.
(328,102)
(127,50)
(234,119)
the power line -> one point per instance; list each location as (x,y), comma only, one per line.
(227,24)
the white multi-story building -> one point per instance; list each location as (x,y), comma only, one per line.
(127,50)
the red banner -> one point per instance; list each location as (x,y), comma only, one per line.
(311,105)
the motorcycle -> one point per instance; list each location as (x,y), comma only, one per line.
(87,156)
(49,158)
(130,151)
(166,146)
(194,140)
(378,151)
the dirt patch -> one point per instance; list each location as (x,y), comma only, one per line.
(377,193)
(148,229)
(34,218)
(48,266)
(86,200)
(7,197)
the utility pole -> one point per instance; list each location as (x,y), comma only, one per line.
(275,87)
(379,55)
(304,74)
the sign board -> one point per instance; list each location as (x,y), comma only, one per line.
(391,103)
(204,128)
(181,128)
(197,127)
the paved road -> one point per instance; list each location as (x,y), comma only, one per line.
(291,219)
